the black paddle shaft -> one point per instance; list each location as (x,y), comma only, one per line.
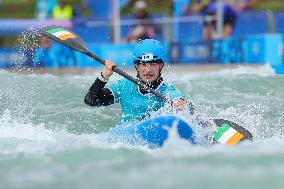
(129,77)
(78,45)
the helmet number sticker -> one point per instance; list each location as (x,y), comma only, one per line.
(147,57)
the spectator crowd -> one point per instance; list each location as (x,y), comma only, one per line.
(57,10)
(144,26)
(208,8)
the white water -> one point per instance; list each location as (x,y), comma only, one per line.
(50,139)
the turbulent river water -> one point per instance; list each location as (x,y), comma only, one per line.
(50,139)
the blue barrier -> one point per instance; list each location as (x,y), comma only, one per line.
(101,9)
(279,69)
(251,22)
(234,50)
(11,57)
(218,51)
(229,50)
(263,49)
(195,52)
(93,30)
(121,54)
(279,22)
(250,49)
(59,56)
(189,30)
(6,58)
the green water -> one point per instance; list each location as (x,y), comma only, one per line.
(50,139)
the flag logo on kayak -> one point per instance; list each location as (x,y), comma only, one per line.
(61,33)
(227,135)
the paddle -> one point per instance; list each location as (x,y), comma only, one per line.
(73,41)
(230,133)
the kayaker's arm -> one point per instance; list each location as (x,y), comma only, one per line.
(98,95)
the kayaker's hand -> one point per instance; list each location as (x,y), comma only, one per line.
(107,70)
(179,105)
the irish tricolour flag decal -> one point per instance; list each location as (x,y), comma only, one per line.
(227,135)
(61,33)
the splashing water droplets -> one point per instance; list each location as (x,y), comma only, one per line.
(27,43)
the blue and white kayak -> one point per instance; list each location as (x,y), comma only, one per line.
(153,132)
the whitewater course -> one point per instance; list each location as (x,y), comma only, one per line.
(50,139)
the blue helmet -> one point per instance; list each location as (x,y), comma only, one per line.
(149,50)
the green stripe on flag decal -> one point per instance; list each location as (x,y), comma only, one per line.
(55,30)
(224,127)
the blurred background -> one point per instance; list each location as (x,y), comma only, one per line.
(193,31)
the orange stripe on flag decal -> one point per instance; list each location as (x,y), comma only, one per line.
(235,138)
(66,36)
